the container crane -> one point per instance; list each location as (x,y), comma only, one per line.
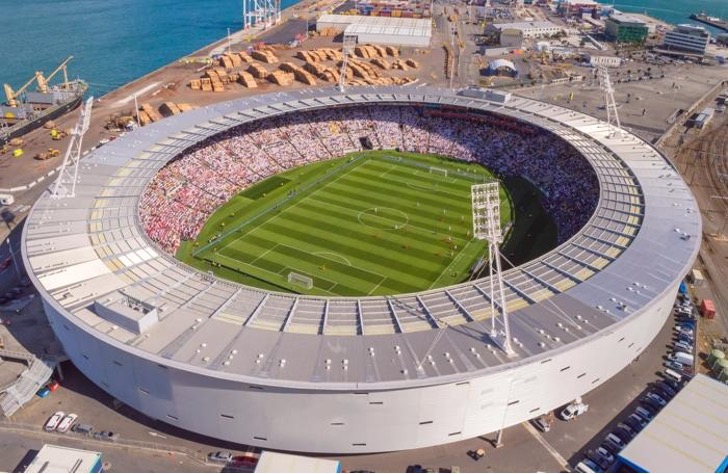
(42,81)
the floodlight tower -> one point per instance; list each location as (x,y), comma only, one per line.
(486,226)
(612,113)
(347,49)
(68,175)
(261,13)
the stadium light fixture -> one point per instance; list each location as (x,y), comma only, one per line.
(68,175)
(487,226)
(612,110)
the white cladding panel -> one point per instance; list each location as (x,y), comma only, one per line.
(350,422)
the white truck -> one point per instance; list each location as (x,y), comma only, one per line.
(574,409)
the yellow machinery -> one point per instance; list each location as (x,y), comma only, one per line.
(18,152)
(12,95)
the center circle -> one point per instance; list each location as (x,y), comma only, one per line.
(383,218)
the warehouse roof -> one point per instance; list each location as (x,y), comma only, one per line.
(689,435)
(622,18)
(280,462)
(526,25)
(62,459)
(408,26)
(499,63)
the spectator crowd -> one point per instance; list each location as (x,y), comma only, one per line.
(184,194)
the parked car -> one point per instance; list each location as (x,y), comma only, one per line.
(633,423)
(628,429)
(43,392)
(53,385)
(668,388)
(67,422)
(220,456)
(598,460)
(542,423)
(606,454)
(54,421)
(644,413)
(586,466)
(107,436)
(622,433)
(613,438)
(651,405)
(673,365)
(662,392)
(653,396)
(82,428)
(683,347)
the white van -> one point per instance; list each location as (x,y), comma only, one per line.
(586,466)
(683,358)
(672,375)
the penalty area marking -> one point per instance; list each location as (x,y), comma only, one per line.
(336,257)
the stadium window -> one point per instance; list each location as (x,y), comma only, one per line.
(462,383)
(146,392)
(118,363)
(66,327)
(255,387)
(638,349)
(358,444)
(172,417)
(162,366)
(581,375)
(534,410)
(630,346)
(595,381)
(455,433)
(84,356)
(621,340)
(426,422)
(513,402)
(260,438)
(229,417)
(376,403)
(565,368)
(546,361)
(337,423)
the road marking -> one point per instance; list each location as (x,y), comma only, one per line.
(559,458)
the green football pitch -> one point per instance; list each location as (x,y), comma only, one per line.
(372,223)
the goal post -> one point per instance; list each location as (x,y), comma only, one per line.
(438,171)
(301,280)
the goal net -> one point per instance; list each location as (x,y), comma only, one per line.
(300,280)
(439,171)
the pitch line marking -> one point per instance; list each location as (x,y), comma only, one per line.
(343,259)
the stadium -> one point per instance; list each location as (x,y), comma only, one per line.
(354,374)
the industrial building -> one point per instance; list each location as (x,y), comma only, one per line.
(531,29)
(689,435)
(570,8)
(61,459)
(703,118)
(501,67)
(366,374)
(622,28)
(608,61)
(687,38)
(379,30)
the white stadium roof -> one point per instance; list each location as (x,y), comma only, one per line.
(89,252)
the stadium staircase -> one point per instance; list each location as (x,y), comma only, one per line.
(24,387)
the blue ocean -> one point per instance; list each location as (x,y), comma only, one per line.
(114,42)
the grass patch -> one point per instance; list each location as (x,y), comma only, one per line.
(373,223)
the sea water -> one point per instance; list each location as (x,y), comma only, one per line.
(116,41)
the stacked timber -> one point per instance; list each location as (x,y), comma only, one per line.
(281,78)
(412,63)
(299,73)
(322,71)
(265,56)
(381,63)
(147,114)
(168,109)
(258,71)
(247,79)
(392,51)
(184,107)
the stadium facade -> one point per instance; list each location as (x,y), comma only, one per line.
(352,375)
